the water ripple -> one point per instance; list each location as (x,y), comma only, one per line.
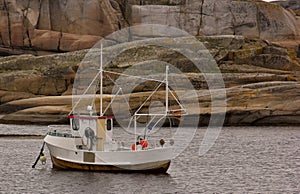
(243,160)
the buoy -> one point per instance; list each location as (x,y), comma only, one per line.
(43,159)
(138,147)
(162,142)
(133,147)
(144,144)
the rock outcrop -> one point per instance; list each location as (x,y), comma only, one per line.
(56,25)
(255,44)
(261,79)
(42,26)
(248,18)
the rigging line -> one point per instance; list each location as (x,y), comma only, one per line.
(177,100)
(84,92)
(158,86)
(148,79)
(159,119)
(147,127)
(149,97)
(119,88)
(129,124)
(111,101)
(131,118)
(154,116)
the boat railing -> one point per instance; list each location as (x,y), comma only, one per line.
(64,131)
(59,127)
(58,134)
(161,143)
(151,143)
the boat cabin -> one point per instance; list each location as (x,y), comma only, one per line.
(96,131)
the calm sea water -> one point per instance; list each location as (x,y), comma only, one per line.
(243,160)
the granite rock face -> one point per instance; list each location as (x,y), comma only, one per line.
(213,17)
(42,26)
(55,26)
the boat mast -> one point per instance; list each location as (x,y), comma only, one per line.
(101,82)
(167,90)
(135,138)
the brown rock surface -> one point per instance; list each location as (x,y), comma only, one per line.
(56,25)
(259,92)
(261,76)
(213,17)
(43,26)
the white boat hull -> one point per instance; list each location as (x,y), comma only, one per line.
(65,155)
(155,167)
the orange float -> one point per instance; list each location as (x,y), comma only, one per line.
(144,143)
(133,147)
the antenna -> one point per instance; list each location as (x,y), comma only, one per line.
(101,81)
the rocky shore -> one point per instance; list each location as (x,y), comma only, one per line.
(255,44)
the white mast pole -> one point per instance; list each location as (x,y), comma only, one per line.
(167,90)
(135,133)
(101,82)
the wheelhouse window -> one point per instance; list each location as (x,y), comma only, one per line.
(75,124)
(108,124)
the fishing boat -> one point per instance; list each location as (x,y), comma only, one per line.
(90,145)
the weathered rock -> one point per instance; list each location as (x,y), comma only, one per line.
(249,18)
(40,110)
(30,103)
(43,115)
(271,102)
(245,21)
(57,25)
(261,80)
(36,76)
(275,50)
(58,41)
(274,62)
(6,96)
(289,4)
(276,23)
(42,26)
